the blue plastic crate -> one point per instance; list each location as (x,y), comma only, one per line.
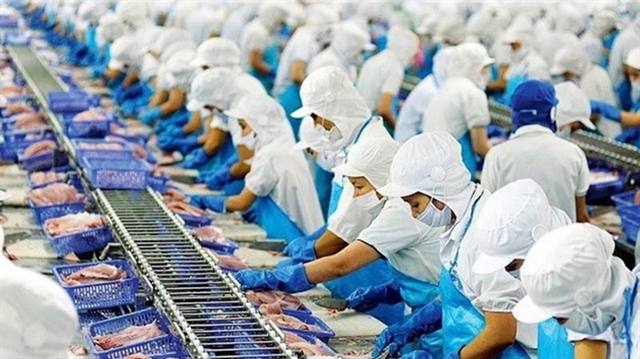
(17,39)
(630,220)
(98,315)
(86,129)
(42,213)
(159,184)
(160,345)
(625,199)
(68,102)
(42,161)
(195,221)
(603,191)
(117,173)
(86,241)
(245,346)
(62,169)
(31,136)
(8,22)
(99,295)
(139,139)
(125,152)
(325,334)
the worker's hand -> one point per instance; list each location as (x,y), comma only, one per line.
(149,115)
(305,255)
(197,158)
(215,203)
(368,298)
(394,338)
(218,179)
(132,92)
(418,354)
(250,215)
(606,110)
(291,279)
(301,245)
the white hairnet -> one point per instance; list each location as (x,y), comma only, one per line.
(573,105)
(320,18)
(429,25)
(110,27)
(169,36)
(603,21)
(204,23)
(38,318)
(371,10)
(404,43)
(160,7)
(180,47)
(451,30)
(147,36)
(217,52)
(572,271)
(350,40)
(125,51)
(91,11)
(467,60)
(149,67)
(440,62)
(309,136)
(214,87)
(593,47)
(633,59)
(570,19)
(370,158)
(178,70)
(518,32)
(181,11)
(272,13)
(297,15)
(570,59)
(132,12)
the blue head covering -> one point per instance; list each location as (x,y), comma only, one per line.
(532,104)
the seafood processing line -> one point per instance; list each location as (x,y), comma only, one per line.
(207,308)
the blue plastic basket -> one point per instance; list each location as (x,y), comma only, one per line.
(139,139)
(99,295)
(87,129)
(41,161)
(98,315)
(247,347)
(42,213)
(603,191)
(314,341)
(117,173)
(160,345)
(8,22)
(86,241)
(159,184)
(126,150)
(19,136)
(222,248)
(17,39)
(624,199)
(326,333)
(63,169)
(195,221)
(68,102)
(629,214)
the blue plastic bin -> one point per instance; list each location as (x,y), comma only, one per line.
(89,240)
(42,213)
(98,315)
(325,334)
(116,173)
(41,161)
(314,341)
(629,214)
(195,221)
(99,295)
(62,169)
(8,22)
(125,151)
(86,129)
(159,184)
(602,191)
(68,102)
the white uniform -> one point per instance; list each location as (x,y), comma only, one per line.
(290,186)
(635,323)
(254,38)
(557,165)
(628,39)
(301,47)
(533,67)
(381,74)
(456,108)
(549,43)
(410,117)
(411,247)
(596,83)
(234,25)
(331,57)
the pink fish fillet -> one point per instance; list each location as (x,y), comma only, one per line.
(54,193)
(131,335)
(287,321)
(286,300)
(95,274)
(72,223)
(40,147)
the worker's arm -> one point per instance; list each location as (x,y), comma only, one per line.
(158,98)
(215,141)
(501,83)
(630,119)
(355,256)
(256,62)
(590,349)
(110,74)
(385,109)
(241,202)
(194,124)
(298,71)
(173,103)
(130,79)
(498,334)
(328,244)
(480,141)
(241,168)
(582,216)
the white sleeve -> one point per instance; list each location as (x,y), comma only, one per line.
(348,220)
(393,230)
(476,110)
(392,83)
(498,292)
(304,51)
(262,178)
(584,180)
(490,179)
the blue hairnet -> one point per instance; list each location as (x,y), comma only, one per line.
(532,104)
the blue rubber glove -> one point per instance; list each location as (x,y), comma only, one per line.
(424,321)
(418,354)
(171,131)
(305,255)
(149,115)
(455,355)
(368,298)
(291,279)
(162,126)
(215,203)
(250,215)
(606,110)
(197,158)
(132,92)
(302,244)
(218,179)
(184,145)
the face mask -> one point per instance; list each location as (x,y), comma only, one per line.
(433,217)
(326,161)
(369,203)
(635,90)
(581,323)
(204,113)
(515,274)
(333,135)
(249,141)
(518,55)
(564,133)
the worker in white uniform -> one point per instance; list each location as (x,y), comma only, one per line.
(428,173)
(627,40)
(603,30)
(548,157)
(237,19)
(346,51)
(381,76)
(412,111)
(460,105)
(571,276)
(526,63)
(303,45)
(259,51)
(283,197)
(38,318)
(573,111)
(569,23)
(205,23)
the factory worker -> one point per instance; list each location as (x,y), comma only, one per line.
(604,28)
(571,276)
(348,44)
(160,11)
(180,11)
(460,105)
(371,16)
(134,14)
(427,30)
(283,197)
(125,56)
(548,156)
(305,43)
(110,28)
(526,63)
(569,23)
(573,110)
(627,40)
(38,318)
(236,21)
(429,174)
(205,23)
(89,12)
(381,76)
(569,64)
(214,91)
(411,247)
(410,117)
(450,31)
(259,52)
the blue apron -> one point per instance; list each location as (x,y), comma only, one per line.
(290,101)
(553,341)
(270,57)
(90,40)
(607,43)
(512,85)
(274,221)
(323,182)
(630,296)
(233,188)
(468,155)
(461,321)
(624,93)
(631,136)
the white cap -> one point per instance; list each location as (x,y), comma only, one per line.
(633,59)
(92,10)
(350,39)
(38,318)
(309,136)
(204,23)
(573,105)
(217,52)
(132,11)
(212,87)
(428,26)
(297,15)
(404,43)
(570,59)
(451,30)
(511,221)
(264,114)
(110,27)
(328,92)
(572,269)
(270,13)
(603,21)
(320,18)
(468,60)
(167,37)
(370,158)
(517,34)
(124,51)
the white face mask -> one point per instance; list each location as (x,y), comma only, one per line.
(564,133)
(515,274)
(581,323)
(249,141)
(433,217)
(369,203)
(326,161)
(333,135)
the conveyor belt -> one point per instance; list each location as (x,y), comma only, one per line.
(207,308)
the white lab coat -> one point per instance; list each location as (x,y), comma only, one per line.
(456,108)
(284,175)
(596,83)
(332,57)
(533,67)
(255,37)
(535,152)
(301,47)
(627,40)
(411,247)
(410,117)
(381,74)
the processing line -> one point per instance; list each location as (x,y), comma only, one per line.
(207,308)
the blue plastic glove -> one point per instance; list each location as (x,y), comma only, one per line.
(424,321)
(184,145)
(149,115)
(215,203)
(302,244)
(250,215)
(418,354)
(368,298)
(196,158)
(291,279)
(132,91)
(171,131)
(218,179)
(305,255)
(609,111)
